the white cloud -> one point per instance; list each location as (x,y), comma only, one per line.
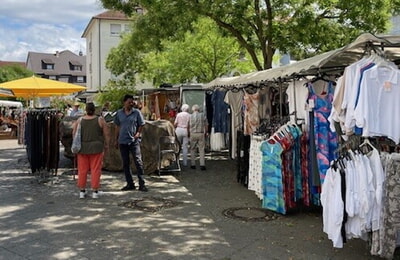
(43,26)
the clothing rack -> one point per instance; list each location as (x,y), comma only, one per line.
(352,143)
(42,141)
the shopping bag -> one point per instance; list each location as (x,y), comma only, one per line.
(76,140)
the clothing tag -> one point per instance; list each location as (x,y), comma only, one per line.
(311,103)
(387,86)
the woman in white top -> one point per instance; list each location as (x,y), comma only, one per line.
(181,125)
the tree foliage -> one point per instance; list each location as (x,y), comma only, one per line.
(114,93)
(202,55)
(300,27)
(13,72)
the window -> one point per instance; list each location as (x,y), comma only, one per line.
(115,29)
(47,64)
(64,79)
(139,10)
(53,77)
(127,28)
(80,79)
(75,65)
(113,76)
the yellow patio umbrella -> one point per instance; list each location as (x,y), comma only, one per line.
(32,87)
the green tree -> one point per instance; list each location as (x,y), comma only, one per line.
(114,93)
(12,72)
(203,54)
(300,27)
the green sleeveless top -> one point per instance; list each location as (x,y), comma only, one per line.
(92,136)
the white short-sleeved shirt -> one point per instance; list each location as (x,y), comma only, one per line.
(378,108)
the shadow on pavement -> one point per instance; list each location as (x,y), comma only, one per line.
(181,217)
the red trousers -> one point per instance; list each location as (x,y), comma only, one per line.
(92,163)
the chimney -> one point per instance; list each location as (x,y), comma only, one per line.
(57,54)
(80,53)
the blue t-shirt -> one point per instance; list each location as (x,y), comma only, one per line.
(128,125)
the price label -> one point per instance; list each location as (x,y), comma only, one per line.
(311,103)
(387,86)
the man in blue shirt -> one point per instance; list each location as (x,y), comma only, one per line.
(129,123)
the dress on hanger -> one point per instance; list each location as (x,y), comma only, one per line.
(251,119)
(325,140)
(272,180)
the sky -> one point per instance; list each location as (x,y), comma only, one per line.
(44,26)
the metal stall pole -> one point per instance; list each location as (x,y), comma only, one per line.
(280,100)
(294,100)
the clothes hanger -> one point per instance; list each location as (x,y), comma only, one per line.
(366,146)
(250,89)
(323,77)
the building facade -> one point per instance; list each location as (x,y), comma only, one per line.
(63,66)
(102,33)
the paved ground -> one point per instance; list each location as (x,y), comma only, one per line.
(42,218)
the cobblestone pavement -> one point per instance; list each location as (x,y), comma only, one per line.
(183,216)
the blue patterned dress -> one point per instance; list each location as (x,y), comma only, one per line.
(325,140)
(272,183)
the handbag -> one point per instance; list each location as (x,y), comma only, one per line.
(76,141)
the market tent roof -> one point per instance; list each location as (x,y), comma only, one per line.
(4,92)
(8,103)
(32,87)
(149,91)
(331,61)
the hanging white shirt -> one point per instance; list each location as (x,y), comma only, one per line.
(352,84)
(379,178)
(297,96)
(333,207)
(378,108)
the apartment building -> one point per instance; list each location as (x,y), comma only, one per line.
(102,33)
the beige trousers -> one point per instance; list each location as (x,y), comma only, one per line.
(197,141)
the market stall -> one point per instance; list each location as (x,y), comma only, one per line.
(39,126)
(337,125)
(9,118)
(160,103)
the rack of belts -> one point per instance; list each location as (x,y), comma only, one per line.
(41,137)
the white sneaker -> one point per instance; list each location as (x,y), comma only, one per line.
(82,194)
(95,195)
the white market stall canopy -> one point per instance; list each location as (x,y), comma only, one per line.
(329,62)
(7,103)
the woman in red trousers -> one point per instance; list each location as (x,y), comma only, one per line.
(94,142)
